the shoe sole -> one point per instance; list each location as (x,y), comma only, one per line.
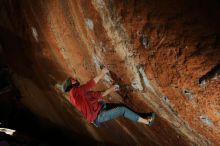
(152,121)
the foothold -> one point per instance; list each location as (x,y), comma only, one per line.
(103,49)
(202,84)
(205,119)
(188,94)
(167,101)
(209,75)
(34,33)
(97,62)
(144,41)
(136,85)
(117,87)
(89,23)
(107,78)
(62,49)
(145,79)
(165,98)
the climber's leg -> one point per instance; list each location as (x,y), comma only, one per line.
(107,115)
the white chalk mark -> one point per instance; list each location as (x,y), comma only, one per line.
(188,94)
(145,79)
(137,85)
(34,33)
(89,23)
(107,78)
(205,119)
(97,62)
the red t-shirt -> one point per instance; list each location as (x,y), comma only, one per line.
(86,101)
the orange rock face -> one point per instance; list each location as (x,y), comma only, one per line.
(164,55)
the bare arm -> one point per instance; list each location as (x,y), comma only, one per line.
(113,88)
(100,75)
(90,84)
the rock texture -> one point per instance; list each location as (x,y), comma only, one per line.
(164,55)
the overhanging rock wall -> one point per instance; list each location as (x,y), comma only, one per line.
(164,55)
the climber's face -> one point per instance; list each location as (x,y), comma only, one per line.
(75,82)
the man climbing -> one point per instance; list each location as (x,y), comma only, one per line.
(88,102)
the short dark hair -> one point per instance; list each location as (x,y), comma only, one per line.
(67,84)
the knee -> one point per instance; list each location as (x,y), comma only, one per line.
(122,109)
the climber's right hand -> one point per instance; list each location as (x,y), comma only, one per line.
(116,87)
(104,70)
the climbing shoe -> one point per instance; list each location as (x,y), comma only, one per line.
(152,117)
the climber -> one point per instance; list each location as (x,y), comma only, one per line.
(95,111)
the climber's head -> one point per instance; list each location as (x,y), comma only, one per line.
(69,83)
(75,82)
